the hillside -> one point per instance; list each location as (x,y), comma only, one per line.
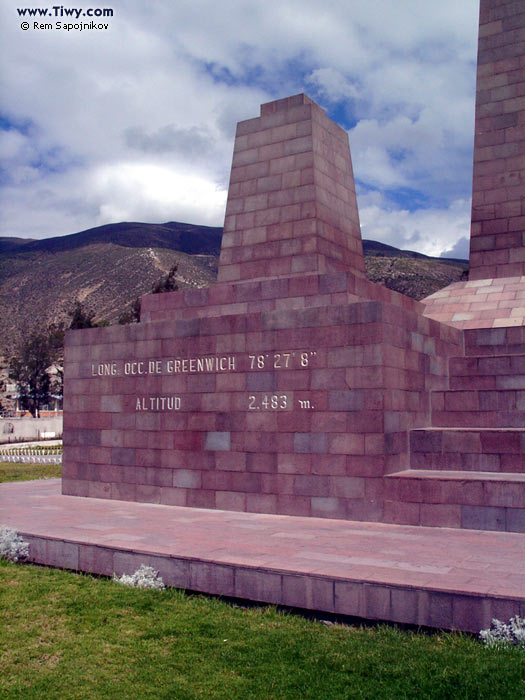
(186,238)
(415,277)
(107,267)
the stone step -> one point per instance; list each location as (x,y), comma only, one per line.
(457,499)
(479,408)
(487,372)
(468,449)
(495,341)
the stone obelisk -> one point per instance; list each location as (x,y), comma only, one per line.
(292,207)
(497,246)
(494,296)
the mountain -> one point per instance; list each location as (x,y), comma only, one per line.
(107,267)
(414,276)
(376,249)
(185,238)
(11,244)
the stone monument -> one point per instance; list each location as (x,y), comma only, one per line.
(494,296)
(294,385)
(291,205)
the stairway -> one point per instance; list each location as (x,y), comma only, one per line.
(467,470)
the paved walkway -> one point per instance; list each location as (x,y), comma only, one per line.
(430,576)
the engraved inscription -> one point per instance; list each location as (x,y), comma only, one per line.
(269,402)
(214,364)
(104,369)
(158,403)
(135,368)
(281,360)
(201,364)
(210,363)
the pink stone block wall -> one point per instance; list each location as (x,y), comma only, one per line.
(305,412)
(291,204)
(497,246)
(299,292)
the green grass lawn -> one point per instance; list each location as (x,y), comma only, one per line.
(65,636)
(13,471)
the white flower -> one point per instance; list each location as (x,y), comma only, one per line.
(12,546)
(505,635)
(144,577)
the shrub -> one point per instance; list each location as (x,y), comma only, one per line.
(144,577)
(12,546)
(502,634)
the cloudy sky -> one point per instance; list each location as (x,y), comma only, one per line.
(135,122)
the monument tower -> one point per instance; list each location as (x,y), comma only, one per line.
(291,204)
(296,386)
(497,239)
(495,293)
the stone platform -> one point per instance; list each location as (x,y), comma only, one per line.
(436,577)
(479,303)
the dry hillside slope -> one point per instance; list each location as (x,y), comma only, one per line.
(107,267)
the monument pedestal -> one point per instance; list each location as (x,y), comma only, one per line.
(295,386)
(294,410)
(480,303)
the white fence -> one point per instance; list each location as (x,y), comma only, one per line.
(31,458)
(14,430)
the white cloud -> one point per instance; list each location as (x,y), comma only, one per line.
(332,84)
(461,249)
(410,152)
(155,100)
(430,231)
(132,190)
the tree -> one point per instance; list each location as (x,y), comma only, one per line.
(55,335)
(132,315)
(81,318)
(36,364)
(30,370)
(84,319)
(166,284)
